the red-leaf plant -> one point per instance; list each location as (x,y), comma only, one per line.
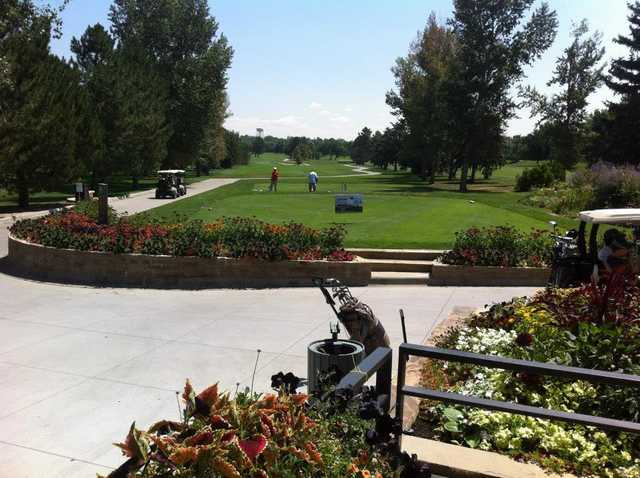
(234,439)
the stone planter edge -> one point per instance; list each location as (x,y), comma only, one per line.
(454,275)
(34,261)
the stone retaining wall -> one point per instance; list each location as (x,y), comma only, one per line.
(448,275)
(167,272)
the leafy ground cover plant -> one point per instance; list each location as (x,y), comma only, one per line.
(238,237)
(500,246)
(564,327)
(260,436)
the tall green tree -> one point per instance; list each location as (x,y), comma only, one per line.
(237,151)
(141,132)
(181,40)
(619,128)
(420,98)
(496,40)
(41,103)
(578,74)
(213,150)
(302,152)
(129,100)
(362,147)
(387,147)
(94,55)
(39,134)
(257,147)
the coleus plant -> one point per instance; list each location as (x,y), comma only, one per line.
(223,437)
(261,436)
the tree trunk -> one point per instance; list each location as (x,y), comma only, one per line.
(23,192)
(452,170)
(135,183)
(395,166)
(464,172)
(474,168)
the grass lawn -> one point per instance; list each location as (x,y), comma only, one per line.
(399,210)
(260,167)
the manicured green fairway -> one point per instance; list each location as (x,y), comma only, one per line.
(260,167)
(399,210)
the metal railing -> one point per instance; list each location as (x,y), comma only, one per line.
(612,378)
(378,362)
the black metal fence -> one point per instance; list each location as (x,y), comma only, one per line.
(539,368)
(378,362)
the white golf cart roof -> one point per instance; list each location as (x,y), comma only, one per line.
(611,216)
(171,171)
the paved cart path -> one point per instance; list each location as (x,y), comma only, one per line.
(145,200)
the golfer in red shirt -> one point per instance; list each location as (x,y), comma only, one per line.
(274,180)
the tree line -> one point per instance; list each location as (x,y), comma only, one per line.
(149,92)
(299,147)
(455,93)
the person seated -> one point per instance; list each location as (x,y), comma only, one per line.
(606,251)
(615,253)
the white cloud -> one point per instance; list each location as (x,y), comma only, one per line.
(325,113)
(288,120)
(348,109)
(340,119)
(288,125)
(315,106)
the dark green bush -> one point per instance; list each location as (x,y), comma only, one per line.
(540,176)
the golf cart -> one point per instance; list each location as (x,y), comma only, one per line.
(171,183)
(575,258)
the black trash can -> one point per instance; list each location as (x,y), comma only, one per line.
(325,355)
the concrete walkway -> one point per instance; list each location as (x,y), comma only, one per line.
(79,364)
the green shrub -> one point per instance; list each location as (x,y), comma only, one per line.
(540,176)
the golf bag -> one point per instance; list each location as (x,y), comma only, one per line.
(356,317)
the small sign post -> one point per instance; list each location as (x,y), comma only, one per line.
(79,190)
(349,203)
(103,204)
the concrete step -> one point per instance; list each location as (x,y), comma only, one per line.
(458,462)
(399,278)
(394,265)
(398,254)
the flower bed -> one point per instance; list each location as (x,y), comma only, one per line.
(274,435)
(228,237)
(73,248)
(500,246)
(592,327)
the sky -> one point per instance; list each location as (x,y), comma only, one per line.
(322,67)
